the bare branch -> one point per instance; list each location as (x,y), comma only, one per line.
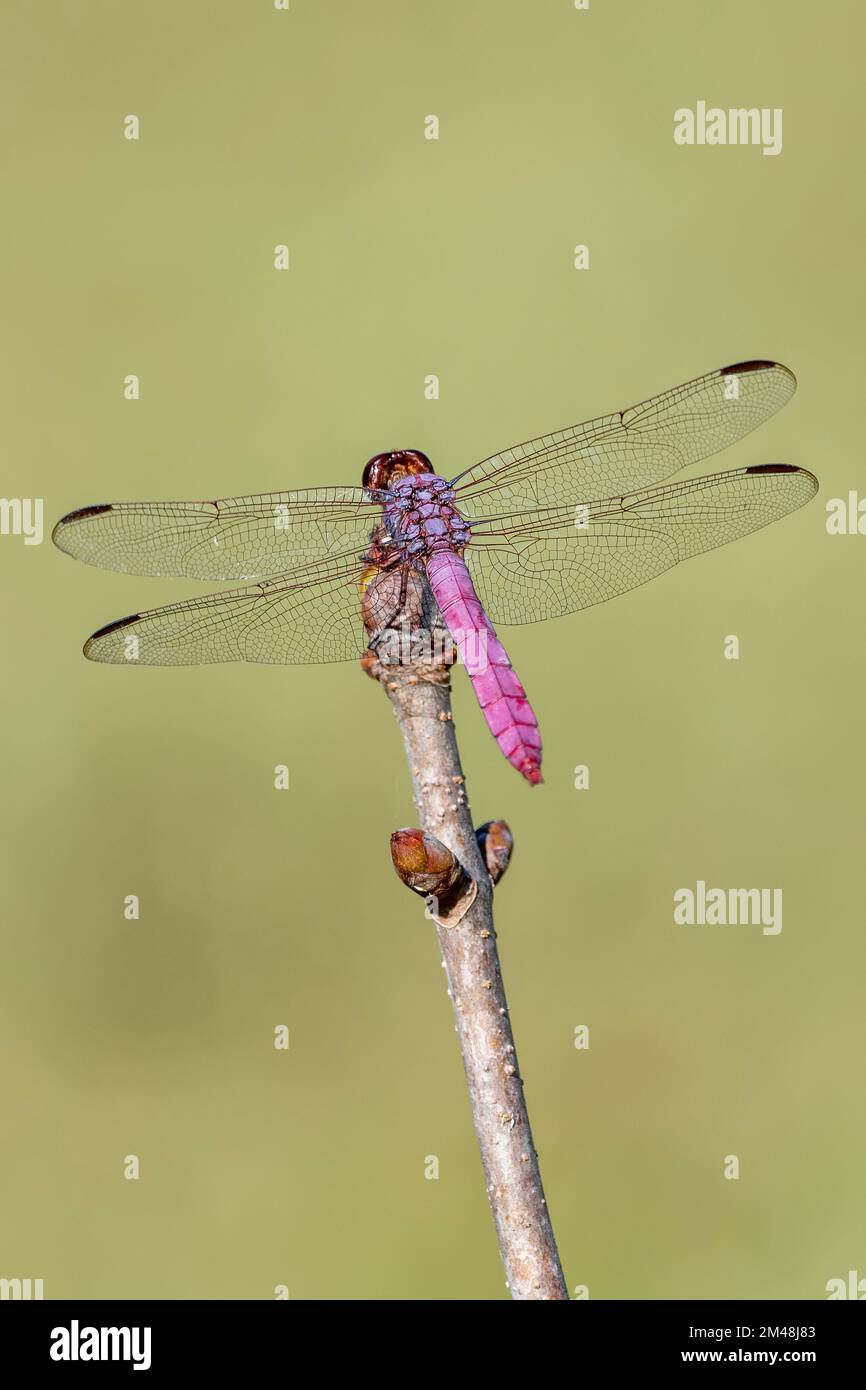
(449,853)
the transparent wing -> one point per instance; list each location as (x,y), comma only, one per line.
(283,620)
(236,538)
(527,568)
(630,449)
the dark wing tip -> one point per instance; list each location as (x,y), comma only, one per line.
(785,468)
(109,627)
(112,627)
(741,368)
(80,514)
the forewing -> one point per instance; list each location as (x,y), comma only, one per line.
(629,449)
(547,566)
(235,538)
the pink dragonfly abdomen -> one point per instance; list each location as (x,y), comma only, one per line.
(499,693)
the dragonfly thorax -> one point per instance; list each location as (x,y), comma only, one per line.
(421,517)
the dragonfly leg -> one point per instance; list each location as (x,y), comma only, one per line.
(396,613)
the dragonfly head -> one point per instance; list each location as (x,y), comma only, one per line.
(384,470)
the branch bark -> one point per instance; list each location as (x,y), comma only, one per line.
(420,694)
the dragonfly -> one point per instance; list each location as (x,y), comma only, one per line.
(543,529)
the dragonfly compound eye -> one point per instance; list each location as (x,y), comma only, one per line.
(384,470)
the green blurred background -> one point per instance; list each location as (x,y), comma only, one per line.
(410,257)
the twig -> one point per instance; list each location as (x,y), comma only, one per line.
(448,856)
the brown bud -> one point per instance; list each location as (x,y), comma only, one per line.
(429,868)
(423,862)
(496,843)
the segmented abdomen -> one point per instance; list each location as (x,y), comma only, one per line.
(501,696)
